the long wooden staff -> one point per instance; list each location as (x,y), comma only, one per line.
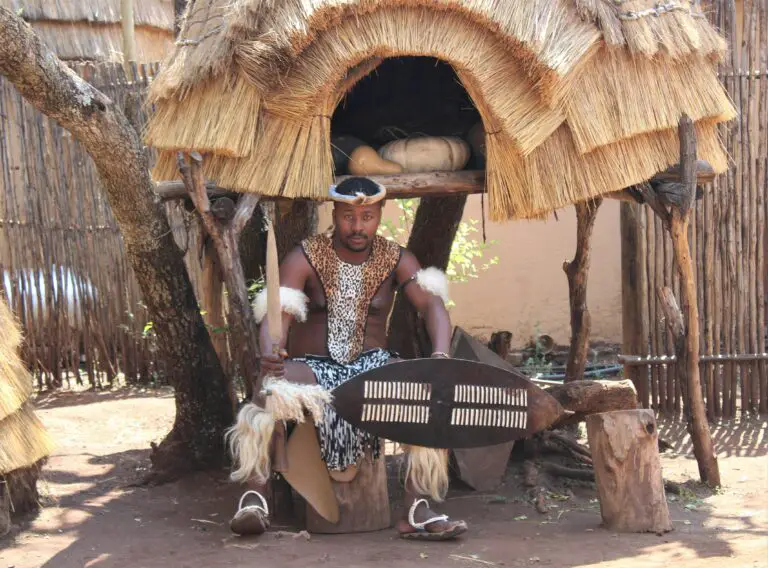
(275,325)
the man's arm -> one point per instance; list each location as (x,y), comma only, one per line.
(428,304)
(294,271)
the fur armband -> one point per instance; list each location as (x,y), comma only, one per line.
(434,281)
(292,301)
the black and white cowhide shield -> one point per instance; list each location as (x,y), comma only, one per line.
(445,403)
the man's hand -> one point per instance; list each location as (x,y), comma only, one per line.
(274,365)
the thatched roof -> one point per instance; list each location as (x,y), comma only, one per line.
(23,438)
(578,97)
(91,29)
(149,13)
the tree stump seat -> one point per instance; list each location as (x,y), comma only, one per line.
(625,452)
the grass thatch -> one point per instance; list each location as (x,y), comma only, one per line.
(23,438)
(556,175)
(15,382)
(150,13)
(220,116)
(83,41)
(617,96)
(574,105)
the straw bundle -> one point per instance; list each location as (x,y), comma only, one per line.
(573,104)
(23,439)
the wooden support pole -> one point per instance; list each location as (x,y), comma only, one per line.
(625,453)
(674,318)
(577,271)
(129,39)
(224,230)
(633,285)
(680,216)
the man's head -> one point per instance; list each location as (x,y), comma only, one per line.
(358,203)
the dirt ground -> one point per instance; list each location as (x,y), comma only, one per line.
(95,517)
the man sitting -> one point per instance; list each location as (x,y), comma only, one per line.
(336,293)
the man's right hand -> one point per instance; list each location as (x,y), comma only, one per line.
(274,365)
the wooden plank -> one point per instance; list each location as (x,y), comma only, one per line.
(408,185)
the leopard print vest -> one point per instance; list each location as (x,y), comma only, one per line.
(349,289)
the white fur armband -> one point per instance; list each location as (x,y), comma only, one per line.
(292,301)
(434,281)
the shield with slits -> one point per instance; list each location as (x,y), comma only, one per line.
(445,403)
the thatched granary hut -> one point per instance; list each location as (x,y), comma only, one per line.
(577,98)
(24,441)
(80,30)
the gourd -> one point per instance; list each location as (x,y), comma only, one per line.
(341,149)
(364,161)
(427,153)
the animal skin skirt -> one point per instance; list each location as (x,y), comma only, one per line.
(341,444)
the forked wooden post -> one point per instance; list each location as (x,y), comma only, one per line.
(224,230)
(577,271)
(678,227)
(625,453)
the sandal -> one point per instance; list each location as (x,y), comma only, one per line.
(250,519)
(421,533)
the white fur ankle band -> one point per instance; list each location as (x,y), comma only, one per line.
(292,301)
(427,471)
(434,281)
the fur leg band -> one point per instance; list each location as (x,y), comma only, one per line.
(427,471)
(249,439)
(434,281)
(292,301)
(289,401)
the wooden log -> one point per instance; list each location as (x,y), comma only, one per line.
(577,271)
(363,502)
(630,487)
(589,397)
(699,427)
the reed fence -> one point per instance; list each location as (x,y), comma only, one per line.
(728,240)
(62,260)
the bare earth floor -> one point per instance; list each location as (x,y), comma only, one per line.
(94,517)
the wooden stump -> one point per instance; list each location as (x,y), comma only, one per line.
(363,502)
(625,452)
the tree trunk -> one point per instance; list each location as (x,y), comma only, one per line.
(296,220)
(431,240)
(625,452)
(203,409)
(577,271)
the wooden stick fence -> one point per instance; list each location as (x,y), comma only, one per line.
(728,241)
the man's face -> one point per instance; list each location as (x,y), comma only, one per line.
(356,225)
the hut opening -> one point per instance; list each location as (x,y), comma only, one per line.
(405,97)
